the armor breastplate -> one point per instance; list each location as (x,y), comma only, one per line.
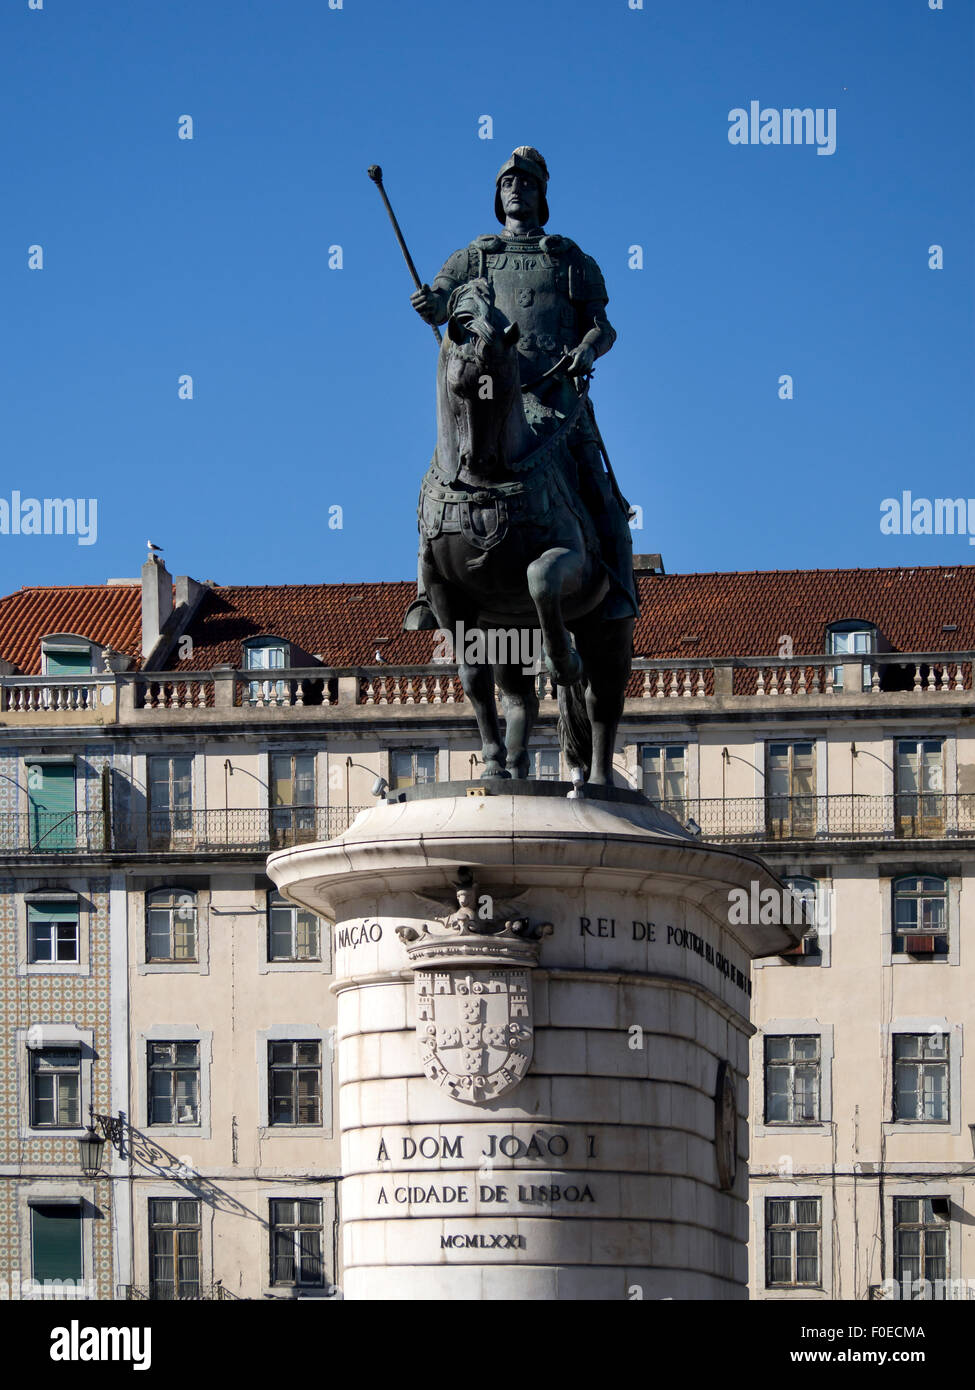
(531,288)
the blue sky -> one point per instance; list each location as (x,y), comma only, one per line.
(315,387)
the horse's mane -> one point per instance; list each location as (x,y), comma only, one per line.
(471,309)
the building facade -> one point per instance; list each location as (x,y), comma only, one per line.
(160,738)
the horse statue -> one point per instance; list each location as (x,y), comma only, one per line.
(508,550)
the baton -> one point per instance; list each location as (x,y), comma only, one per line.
(376,174)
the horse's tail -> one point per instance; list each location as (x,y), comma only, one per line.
(575,731)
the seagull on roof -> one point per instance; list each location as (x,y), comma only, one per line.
(154,549)
(378,658)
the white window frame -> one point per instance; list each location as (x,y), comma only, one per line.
(266,965)
(321,1192)
(956,1194)
(170,1192)
(793,1027)
(295,1032)
(139,925)
(173,1033)
(37,1037)
(926,1024)
(73,892)
(952,909)
(783,1190)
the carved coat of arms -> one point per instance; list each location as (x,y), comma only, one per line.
(474,1029)
(474,996)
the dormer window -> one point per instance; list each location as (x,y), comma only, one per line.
(66,656)
(267,654)
(851,637)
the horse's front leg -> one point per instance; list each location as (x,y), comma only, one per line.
(478,683)
(557,572)
(520,712)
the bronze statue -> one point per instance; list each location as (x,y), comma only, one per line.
(521,521)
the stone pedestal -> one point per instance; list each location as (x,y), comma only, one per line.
(543,1091)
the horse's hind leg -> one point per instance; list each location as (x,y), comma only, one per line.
(520,704)
(606,651)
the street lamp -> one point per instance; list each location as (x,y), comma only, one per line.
(379,786)
(90,1148)
(91,1145)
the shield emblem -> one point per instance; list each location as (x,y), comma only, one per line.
(474,1030)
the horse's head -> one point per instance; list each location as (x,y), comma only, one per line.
(480,416)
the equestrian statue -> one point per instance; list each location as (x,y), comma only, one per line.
(522,524)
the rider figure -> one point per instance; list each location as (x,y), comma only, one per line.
(556,294)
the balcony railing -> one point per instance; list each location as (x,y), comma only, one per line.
(311,692)
(54,832)
(250,831)
(166,1293)
(849,816)
(253,831)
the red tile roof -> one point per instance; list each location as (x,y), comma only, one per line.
(743,614)
(109,614)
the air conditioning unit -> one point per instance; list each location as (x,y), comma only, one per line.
(919,945)
(808,946)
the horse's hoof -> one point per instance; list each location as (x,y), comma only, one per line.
(521,767)
(494,770)
(567,671)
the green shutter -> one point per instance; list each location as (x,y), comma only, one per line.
(52,805)
(66,663)
(66,911)
(56,1241)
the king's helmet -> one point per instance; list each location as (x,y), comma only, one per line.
(527,160)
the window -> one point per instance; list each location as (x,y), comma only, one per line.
(792,1080)
(292,798)
(55,1241)
(920,1243)
(804,915)
(170,799)
(665,777)
(55,1088)
(793,1230)
(266,654)
(921,916)
(67,661)
(921,1077)
(920,802)
(791,790)
(544,764)
(52,933)
(296,1243)
(295,1083)
(411,768)
(851,638)
(171,925)
(174,1249)
(174,1083)
(51,806)
(292,932)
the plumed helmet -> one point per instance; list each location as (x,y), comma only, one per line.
(527,160)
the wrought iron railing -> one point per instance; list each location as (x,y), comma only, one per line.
(843,816)
(166,1293)
(251,831)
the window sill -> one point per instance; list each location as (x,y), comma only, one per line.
(160,967)
(294,1293)
(766,1131)
(50,967)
